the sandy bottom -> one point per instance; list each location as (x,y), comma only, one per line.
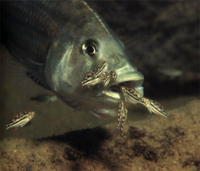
(152,144)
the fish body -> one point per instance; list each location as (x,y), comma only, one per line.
(155,107)
(93,77)
(122,116)
(105,79)
(99,75)
(120,110)
(59,41)
(20,119)
(132,95)
(101,68)
(91,81)
(113,76)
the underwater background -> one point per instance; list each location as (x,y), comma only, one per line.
(162,40)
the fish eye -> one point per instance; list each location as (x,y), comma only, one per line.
(90,48)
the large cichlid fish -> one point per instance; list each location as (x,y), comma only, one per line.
(59,41)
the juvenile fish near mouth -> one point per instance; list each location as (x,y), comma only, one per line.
(155,107)
(121,116)
(59,41)
(130,96)
(99,75)
(133,96)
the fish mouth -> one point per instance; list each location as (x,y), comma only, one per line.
(103,103)
(113,93)
(108,98)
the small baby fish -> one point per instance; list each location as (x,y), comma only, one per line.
(20,119)
(99,75)
(122,116)
(91,81)
(155,107)
(113,76)
(94,77)
(120,111)
(131,94)
(101,68)
(105,79)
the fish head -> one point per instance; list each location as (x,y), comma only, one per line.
(72,54)
(31,114)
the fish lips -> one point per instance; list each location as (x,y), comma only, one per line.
(136,78)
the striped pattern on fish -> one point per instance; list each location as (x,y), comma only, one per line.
(21,119)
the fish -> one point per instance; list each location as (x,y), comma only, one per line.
(21,119)
(120,112)
(45,98)
(121,116)
(155,107)
(101,68)
(172,73)
(113,76)
(93,77)
(58,41)
(131,95)
(91,81)
(99,75)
